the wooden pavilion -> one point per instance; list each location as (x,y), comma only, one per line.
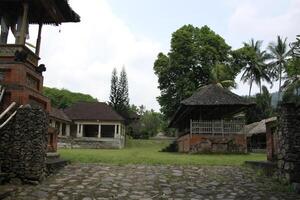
(210,121)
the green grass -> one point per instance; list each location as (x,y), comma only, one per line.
(148,152)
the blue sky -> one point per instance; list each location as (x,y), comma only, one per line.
(117,33)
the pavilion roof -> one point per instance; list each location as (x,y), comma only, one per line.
(211,102)
(213,95)
(41,11)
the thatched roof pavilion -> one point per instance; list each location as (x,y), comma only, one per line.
(210,121)
(210,102)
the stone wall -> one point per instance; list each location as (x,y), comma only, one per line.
(234,143)
(23,143)
(288,158)
(90,143)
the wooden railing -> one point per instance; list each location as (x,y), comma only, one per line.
(216,127)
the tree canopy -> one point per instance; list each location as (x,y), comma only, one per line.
(188,65)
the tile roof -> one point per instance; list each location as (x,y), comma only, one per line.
(59,115)
(92,111)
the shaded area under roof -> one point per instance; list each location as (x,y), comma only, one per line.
(92,111)
(59,114)
(210,102)
(40,11)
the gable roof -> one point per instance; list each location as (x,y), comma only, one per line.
(92,111)
(214,94)
(59,115)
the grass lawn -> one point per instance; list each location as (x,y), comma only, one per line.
(147,152)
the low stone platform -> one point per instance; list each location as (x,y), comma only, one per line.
(54,163)
(101,182)
(267,167)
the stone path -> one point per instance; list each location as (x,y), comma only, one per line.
(92,181)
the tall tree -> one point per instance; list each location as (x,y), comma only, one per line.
(280,54)
(123,89)
(119,96)
(114,95)
(254,64)
(194,51)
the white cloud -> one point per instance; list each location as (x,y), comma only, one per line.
(262,21)
(82,56)
(259,20)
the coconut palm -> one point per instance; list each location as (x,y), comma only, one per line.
(279,55)
(255,68)
(222,75)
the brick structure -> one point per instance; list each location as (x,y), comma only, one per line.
(20,72)
(20,77)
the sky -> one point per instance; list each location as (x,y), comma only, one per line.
(117,33)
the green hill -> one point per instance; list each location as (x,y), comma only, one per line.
(62,98)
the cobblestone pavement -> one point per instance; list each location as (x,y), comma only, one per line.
(92,181)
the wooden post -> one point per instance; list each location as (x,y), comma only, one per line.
(38,41)
(21,38)
(99,131)
(222,125)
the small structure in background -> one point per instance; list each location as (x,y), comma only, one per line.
(208,121)
(256,135)
(89,125)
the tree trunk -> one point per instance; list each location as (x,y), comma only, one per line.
(279,89)
(250,88)
(260,87)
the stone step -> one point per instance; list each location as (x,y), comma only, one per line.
(55,164)
(52,155)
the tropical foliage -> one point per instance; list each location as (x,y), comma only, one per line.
(263,108)
(252,61)
(279,54)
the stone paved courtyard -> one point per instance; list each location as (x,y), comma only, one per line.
(92,181)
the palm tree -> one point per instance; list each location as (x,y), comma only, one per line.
(255,68)
(279,55)
(222,75)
